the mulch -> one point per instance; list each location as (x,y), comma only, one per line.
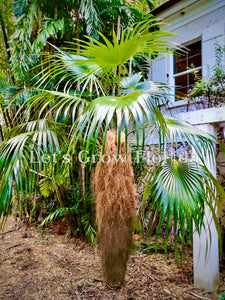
(45,266)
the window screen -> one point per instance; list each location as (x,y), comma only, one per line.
(184,65)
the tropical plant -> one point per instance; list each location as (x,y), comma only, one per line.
(28,25)
(94,95)
(222,296)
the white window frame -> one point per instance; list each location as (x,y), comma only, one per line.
(174,76)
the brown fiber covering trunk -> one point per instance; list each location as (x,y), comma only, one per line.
(115,210)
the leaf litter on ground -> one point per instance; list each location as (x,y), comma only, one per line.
(43,266)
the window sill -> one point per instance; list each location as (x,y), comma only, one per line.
(180,103)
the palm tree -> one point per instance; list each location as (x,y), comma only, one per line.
(94,95)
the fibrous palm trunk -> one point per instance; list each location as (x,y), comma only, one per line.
(115,209)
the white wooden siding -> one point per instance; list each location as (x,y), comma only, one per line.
(159,70)
(209,36)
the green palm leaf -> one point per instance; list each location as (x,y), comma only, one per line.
(49,27)
(97,58)
(181,192)
(70,70)
(136,107)
(132,84)
(75,65)
(181,131)
(135,40)
(89,10)
(21,161)
(62,106)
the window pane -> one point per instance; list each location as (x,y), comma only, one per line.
(180,63)
(192,80)
(194,55)
(181,80)
(194,48)
(184,62)
(181,93)
(181,86)
(195,61)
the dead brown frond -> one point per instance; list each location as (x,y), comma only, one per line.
(115,209)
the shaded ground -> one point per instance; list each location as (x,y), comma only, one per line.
(36,267)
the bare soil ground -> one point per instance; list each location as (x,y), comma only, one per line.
(33,266)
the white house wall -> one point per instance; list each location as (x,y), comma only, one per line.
(159,70)
(215,31)
(191,20)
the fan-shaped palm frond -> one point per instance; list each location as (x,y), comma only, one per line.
(135,107)
(71,69)
(183,132)
(135,40)
(61,106)
(132,84)
(101,59)
(180,192)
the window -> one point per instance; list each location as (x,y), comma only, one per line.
(184,65)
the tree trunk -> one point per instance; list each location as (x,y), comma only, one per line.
(93,198)
(1,135)
(4,116)
(67,216)
(78,30)
(9,119)
(118,29)
(5,38)
(131,59)
(6,43)
(115,210)
(82,182)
